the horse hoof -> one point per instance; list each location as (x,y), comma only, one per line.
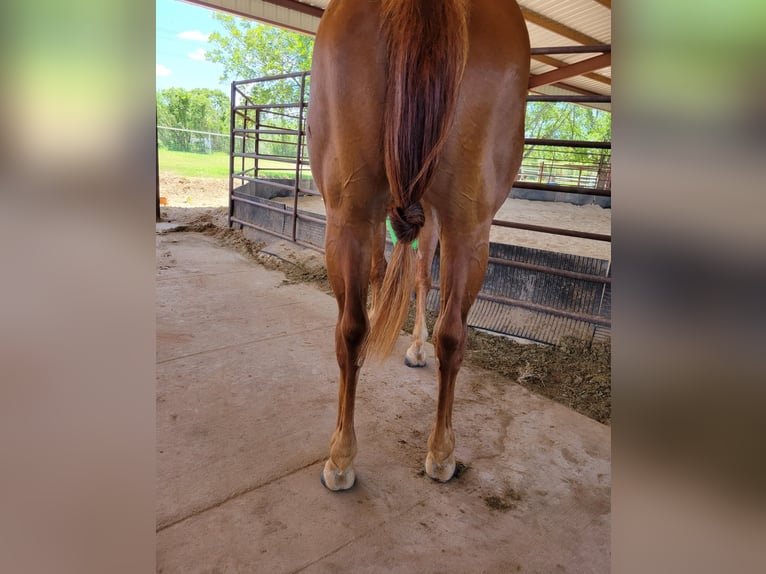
(441,472)
(414,364)
(335,480)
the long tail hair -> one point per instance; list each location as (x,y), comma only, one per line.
(427,48)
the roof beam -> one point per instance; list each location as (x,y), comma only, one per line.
(574,89)
(298,7)
(568,87)
(560,64)
(558,27)
(262,11)
(576,69)
(605,3)
(602,49)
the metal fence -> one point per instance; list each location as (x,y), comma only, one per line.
(574,163)
(192,141)
(531,293)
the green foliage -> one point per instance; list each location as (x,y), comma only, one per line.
(199,109)
(562,120)
(566,121)
(251,50)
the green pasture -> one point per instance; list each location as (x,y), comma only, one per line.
(215,165)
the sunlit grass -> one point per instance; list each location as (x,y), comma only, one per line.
(214,165)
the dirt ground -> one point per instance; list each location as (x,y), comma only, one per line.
(576,374)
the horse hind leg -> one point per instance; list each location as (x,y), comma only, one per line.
(416,355)
(348,266)
(463,265)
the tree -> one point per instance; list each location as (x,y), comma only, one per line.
(562,120)
(250,50)
(199,109)
(566,121)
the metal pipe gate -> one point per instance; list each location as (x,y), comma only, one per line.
(530,293)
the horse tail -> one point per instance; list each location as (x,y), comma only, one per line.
(427,42)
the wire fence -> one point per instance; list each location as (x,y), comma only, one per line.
(277,143)
(581,167)
(587,168)
(191,141)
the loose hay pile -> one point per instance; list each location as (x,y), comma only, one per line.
(576,373)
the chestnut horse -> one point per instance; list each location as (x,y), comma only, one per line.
(416,112)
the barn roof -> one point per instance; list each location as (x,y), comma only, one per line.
(551,24)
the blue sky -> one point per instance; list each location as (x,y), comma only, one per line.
(182,31)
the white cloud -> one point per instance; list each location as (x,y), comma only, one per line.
(194,35)
(198,54)
(163,70)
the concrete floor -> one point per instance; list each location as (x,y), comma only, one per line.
(246,403)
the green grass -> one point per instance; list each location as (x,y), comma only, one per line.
(194,164)
(215,165)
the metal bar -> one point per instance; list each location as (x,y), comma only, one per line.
(303,190)
(602,48)
(277,127)
(279,142)
(563,188)
(190,131)
(298,6)
(556,63)
(257,145)
(267,106)
(263,205)
(265,182)
(266,131)
(283,210)
(298,157)
(269,78)
(573,166)
(276,233)
(277,114)
(311,218)
(551,270)
(264,156)
(232,123)
(567,143)
(571,70)
(558,27)
(572,99)
(245,120)
(283,142)
(553,230)
(158,215)
(586,318)
(242,111)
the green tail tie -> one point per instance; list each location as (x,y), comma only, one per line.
(393,235)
